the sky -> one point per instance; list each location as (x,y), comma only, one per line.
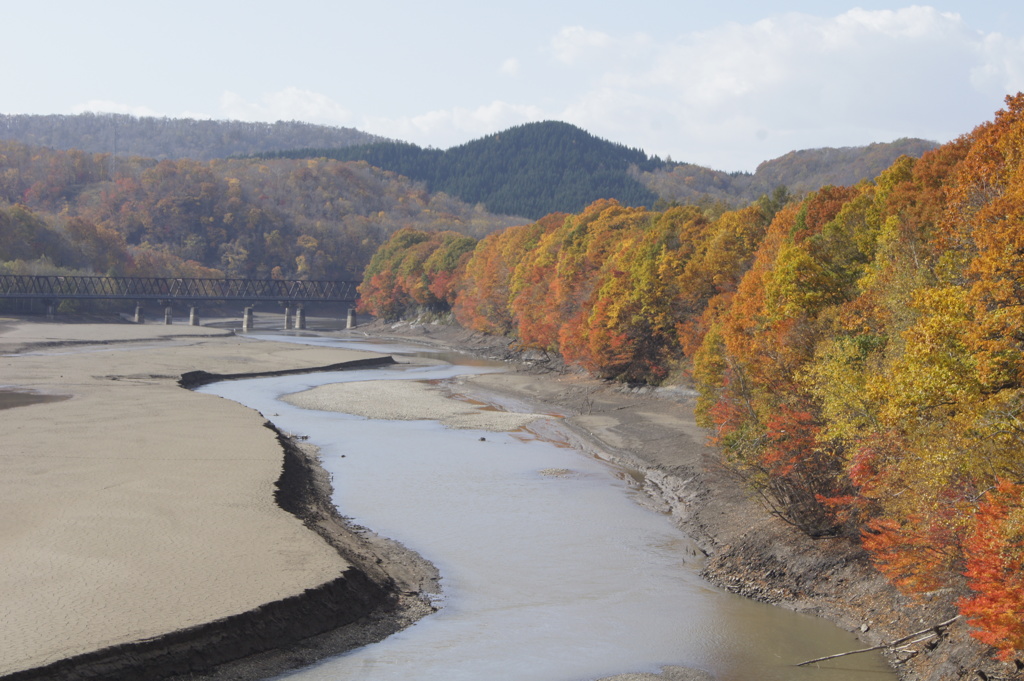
(724,84)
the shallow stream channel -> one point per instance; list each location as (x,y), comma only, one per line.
(553,568)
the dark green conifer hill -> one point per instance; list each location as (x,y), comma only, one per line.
(528,170)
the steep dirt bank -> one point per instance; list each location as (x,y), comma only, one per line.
(389,586)
(746,549)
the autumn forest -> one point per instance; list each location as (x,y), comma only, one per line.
(858,351)
(78,212)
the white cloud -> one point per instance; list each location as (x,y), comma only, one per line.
(510,67)
(1001,66)
(448,127)
(108,106)
(573,43)
(195,115)
(286,105)
(738,94)
(911,23)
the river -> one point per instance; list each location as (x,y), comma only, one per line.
(553,568)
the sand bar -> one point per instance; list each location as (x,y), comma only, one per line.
(136,507)
(408,401)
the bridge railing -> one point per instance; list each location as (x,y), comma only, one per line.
(53,287)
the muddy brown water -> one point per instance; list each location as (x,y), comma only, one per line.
(545,577)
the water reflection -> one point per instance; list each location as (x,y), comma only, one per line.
(545,577)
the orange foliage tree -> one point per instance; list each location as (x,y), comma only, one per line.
(414,271)
(486,289)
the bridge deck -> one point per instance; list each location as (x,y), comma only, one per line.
(16,286)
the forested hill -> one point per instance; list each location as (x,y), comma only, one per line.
(801,172)
(529,170)
(172,138)
(72,212)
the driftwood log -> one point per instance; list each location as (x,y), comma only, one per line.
(934,630)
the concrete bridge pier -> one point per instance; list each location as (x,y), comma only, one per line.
(168,315)
(288,322)
(351,322)
(247,319)
(193,316)
(140,316)
(300,318)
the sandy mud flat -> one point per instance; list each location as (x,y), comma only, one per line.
(134,507)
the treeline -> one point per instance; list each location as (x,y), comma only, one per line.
(309,219)
(172,138)
(529,170)
(859,353)
(615,289)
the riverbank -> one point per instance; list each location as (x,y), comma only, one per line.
(746,549)
(149,531)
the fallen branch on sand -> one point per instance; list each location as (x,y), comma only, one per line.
(925,634)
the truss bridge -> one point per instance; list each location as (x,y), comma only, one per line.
(169,291)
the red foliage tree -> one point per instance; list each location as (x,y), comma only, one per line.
(995,570)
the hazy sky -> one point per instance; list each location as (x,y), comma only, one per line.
(720,83)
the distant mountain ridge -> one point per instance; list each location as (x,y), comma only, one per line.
(171,138)
(529,170)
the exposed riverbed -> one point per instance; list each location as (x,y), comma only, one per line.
(553,564)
